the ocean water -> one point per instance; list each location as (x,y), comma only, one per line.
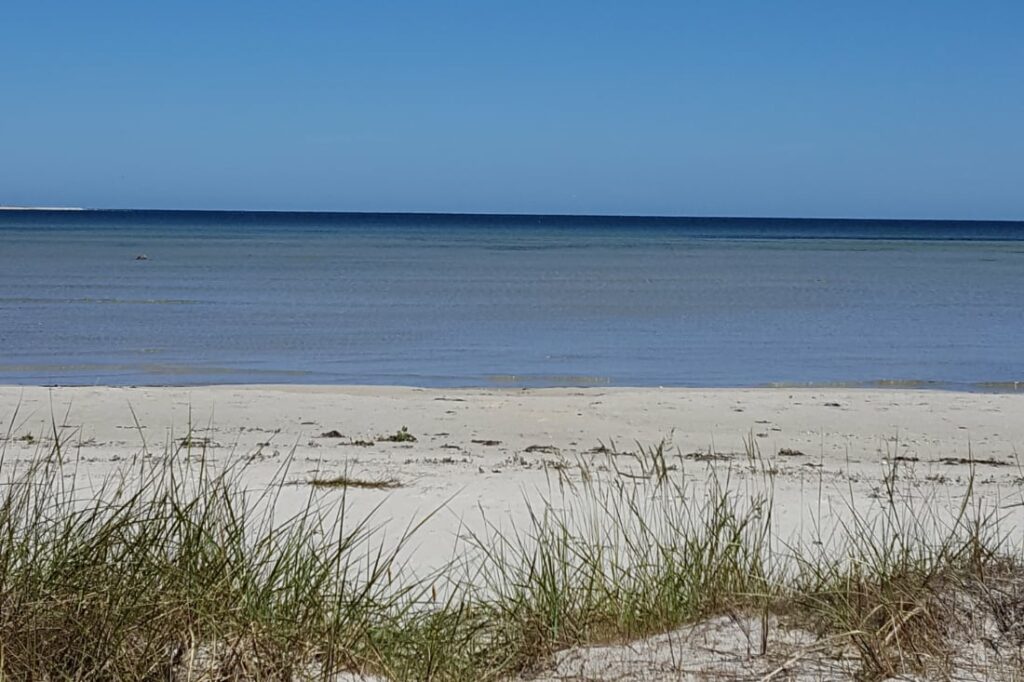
(438,300)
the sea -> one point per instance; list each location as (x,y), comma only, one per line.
(196,297)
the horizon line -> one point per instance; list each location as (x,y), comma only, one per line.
(501,214)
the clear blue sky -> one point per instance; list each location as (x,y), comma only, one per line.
(900,109)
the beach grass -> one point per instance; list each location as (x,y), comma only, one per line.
(173,569)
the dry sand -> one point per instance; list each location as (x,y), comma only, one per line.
(480,449)
(482,452)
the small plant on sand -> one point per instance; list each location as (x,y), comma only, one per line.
(400,436)
(346,481)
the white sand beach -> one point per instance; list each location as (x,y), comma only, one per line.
(477,460)
(485,451)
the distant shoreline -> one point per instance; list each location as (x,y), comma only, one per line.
(41,208)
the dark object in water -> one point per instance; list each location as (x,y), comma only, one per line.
(142,256)
(333,433)
(484,441)
(789,452)
(546,449)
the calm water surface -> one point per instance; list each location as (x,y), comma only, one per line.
(477,300)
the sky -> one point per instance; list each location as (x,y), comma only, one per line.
(853,109)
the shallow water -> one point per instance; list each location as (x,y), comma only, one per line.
(477,300)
